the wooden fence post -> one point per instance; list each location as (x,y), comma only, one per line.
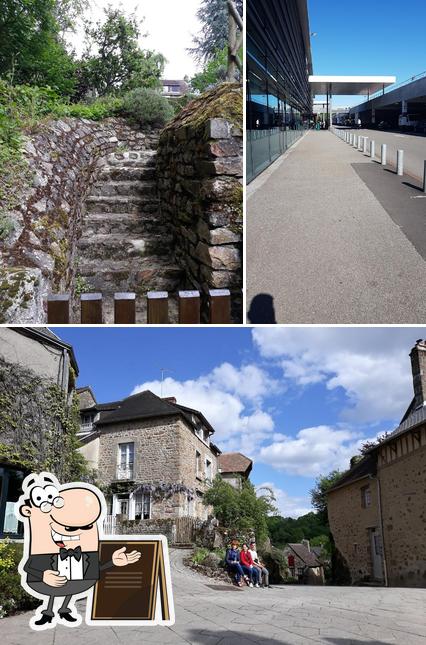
(189,307)
(124,308)
(157,307)
(220,306)
(58,309)
(91,308)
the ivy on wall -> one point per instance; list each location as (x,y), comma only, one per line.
(39,424)
(157,491)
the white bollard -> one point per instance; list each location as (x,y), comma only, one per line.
(350,138)
(372,149)
(365,145)
(355,141)
(424,178)
(384,149)
(360,143)
(400,162)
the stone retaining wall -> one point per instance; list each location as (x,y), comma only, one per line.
(200,171)
(64,158)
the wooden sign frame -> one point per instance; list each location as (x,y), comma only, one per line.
(149,600)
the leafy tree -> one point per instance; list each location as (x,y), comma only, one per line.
(31,49)
(240,509)
(113,59)
(213,37)
(288,529)
(319,492)
(214,71)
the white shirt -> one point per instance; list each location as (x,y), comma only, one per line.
(253,554)
(71,568)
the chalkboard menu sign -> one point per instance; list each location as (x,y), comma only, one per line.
(139,593)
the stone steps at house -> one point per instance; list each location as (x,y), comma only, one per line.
(133,224)
(134,188)
(121,246)
(127,173)
(125,244)
(138,275)
(121,204)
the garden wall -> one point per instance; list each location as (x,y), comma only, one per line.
(64,158)
(200,174)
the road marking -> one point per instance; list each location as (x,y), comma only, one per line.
(418,197)
(401,136)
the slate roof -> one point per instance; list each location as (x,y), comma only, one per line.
(143,405)
(234,462)
(303,553)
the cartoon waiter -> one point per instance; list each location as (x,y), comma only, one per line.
(61,540)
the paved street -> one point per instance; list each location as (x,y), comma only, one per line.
(209,613)
(414,147)
(334,238)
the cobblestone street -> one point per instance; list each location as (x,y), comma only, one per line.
(208,613)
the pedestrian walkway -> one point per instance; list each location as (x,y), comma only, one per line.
(212,613)
(322,248)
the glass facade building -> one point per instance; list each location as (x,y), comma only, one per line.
(279,100)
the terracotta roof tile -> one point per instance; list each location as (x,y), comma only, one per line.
(235,462)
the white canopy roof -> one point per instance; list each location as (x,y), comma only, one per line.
(349,85)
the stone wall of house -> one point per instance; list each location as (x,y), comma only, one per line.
(350,524)
(64,158)
(200,175)
(403,493)
(164,453)
(86,399)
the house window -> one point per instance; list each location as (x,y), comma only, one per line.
(125,460)
(143,507)
(197,463)
(123,505)
(206,437)
(365,496)
(208,470)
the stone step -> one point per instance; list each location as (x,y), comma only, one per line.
(127,173)
(133,158)
(122,247)
(121,204)
(139,275)
(130,223)
(123,188)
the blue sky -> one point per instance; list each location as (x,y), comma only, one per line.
(368,37)
(298,401)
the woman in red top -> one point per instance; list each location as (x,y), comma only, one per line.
(248,567)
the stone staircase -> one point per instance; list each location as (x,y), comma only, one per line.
(125,244)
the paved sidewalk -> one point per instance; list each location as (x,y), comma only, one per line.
(322,248)
(209,613)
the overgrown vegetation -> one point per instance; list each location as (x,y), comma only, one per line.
(12,596)
(240,510)
(147,107)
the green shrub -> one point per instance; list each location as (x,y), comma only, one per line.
(95,111)
(147,107)
(12,596)
(199,555)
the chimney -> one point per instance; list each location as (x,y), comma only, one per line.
(170,399)
(307,544)
(418,367)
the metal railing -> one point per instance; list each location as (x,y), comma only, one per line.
(124,473)
(391,88)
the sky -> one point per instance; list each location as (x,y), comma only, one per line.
(368,37)
(299,401)
(170,26)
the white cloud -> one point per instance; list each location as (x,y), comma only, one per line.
(312,452)
(229,398)
(287,505)
(370,364)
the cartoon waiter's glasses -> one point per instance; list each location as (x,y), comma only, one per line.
(46,497)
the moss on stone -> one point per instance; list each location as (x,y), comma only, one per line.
(222,102)
(13,287)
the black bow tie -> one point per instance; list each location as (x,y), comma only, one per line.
(68,553)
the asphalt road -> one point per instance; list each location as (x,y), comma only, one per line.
(211,613)
(414,147)
(334,238)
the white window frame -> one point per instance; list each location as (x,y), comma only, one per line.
(126,471)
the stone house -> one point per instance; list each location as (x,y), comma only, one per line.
(377,510)
(304,564)
(155,458)
(234,467)
(32,359)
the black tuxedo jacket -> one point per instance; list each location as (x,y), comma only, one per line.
(36,565)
